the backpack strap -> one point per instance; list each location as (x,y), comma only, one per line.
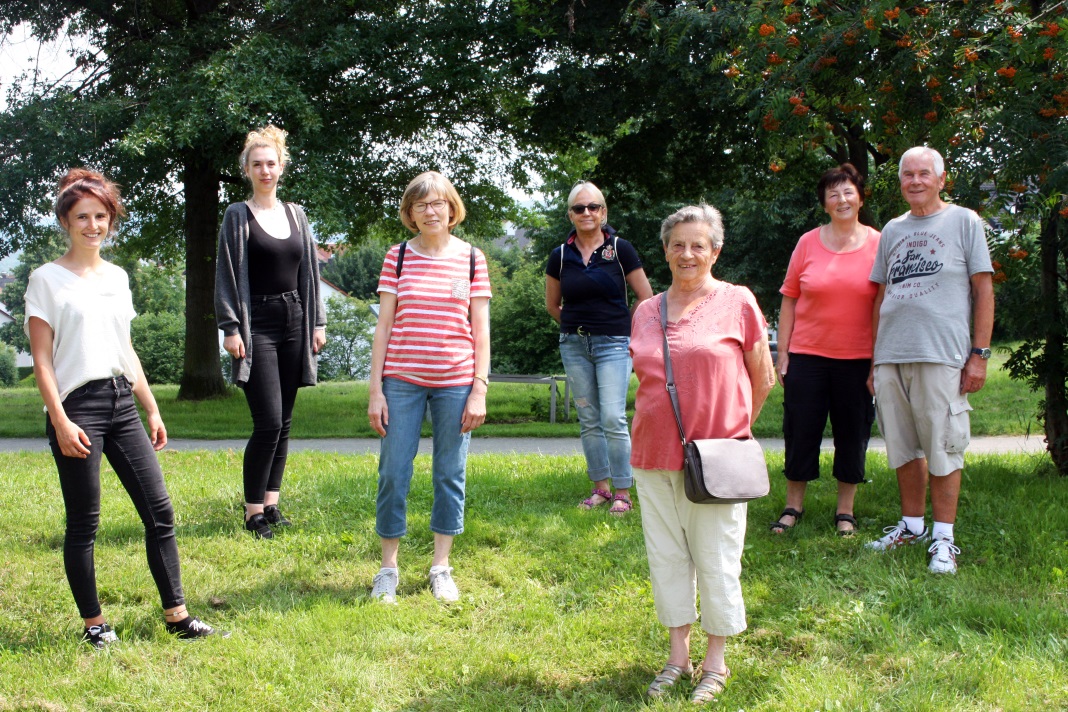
(400,257)
(404,246)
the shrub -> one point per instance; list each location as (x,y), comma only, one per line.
(350,327)
(524,337)
(9,372)
(159,339)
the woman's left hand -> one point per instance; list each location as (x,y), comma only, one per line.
(474,412)
(157,431)
(318,340)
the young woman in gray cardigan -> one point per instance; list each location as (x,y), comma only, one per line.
(267,303)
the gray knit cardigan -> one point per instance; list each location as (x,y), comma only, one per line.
(232,295)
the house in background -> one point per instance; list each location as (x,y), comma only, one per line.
(22,359)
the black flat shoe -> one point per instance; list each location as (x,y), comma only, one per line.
(100,636)
(193,628)
(257,524)
(274,516)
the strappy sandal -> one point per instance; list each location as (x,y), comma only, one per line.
(846,518)
(778,527)
(588,503)
(710,685)
(627,506)
(667,678)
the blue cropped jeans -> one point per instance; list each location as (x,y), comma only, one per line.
(406,403)
(598,368)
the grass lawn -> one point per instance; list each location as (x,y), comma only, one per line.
(556,611)
(339,410)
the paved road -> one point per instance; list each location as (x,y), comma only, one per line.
(542,446)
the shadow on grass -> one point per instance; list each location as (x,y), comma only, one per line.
(517,689)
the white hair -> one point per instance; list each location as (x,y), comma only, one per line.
(937,161)
(695,214)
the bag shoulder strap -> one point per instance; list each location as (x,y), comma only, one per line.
(668,373)
(471,279)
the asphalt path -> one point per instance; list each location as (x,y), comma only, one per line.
(519,446)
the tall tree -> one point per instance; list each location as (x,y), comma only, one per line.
(371,92)
(983,81)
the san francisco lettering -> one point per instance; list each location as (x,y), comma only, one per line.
(913,264)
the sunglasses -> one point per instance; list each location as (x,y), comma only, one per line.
(580,209)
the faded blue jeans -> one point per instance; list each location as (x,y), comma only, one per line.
(598,368)
(407,402)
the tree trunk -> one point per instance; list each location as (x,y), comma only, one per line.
(202,372)
(1055,416)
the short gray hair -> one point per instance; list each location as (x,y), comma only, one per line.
(695,214)
(938,162)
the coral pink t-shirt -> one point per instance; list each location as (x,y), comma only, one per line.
(713,385)
(835,297)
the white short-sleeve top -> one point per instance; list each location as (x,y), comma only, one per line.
(90,320)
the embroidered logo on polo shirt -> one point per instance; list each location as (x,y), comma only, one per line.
(608,253)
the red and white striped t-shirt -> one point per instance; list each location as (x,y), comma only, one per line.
(431,343)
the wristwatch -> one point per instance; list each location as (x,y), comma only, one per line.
(982,353)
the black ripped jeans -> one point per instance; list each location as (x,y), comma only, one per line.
(271,390)
(105,410)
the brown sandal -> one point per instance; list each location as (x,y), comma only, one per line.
(710,685)
(667,678)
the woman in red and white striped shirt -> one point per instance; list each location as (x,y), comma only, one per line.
(431,348)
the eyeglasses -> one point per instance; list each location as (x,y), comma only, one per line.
(438,206)
(580,209)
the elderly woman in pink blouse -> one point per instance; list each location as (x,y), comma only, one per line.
(719,350)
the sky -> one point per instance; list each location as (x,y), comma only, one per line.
(20,52)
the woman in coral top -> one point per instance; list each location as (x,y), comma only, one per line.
(825,348)
(431,349)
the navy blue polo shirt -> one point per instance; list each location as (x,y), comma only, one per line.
(595,294)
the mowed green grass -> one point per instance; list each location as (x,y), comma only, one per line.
(339,410)
(556,612)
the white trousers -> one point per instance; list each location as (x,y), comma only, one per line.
(691,545)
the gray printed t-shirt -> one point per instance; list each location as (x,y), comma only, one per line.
(926,264)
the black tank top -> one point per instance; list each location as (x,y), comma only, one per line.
(273,264)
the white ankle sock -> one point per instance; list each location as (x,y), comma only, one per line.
(942,529)
(916,525)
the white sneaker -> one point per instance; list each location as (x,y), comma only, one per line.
(442,585)
(943,556)
(384,586)
(898,535)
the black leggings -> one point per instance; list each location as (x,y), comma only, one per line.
(271,390)
(105,410)
(815,387)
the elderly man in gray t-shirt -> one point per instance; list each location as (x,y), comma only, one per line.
(933,318)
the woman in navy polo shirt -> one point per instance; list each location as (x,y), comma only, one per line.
(586,282)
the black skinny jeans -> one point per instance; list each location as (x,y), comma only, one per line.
(105,410)
(271,390)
